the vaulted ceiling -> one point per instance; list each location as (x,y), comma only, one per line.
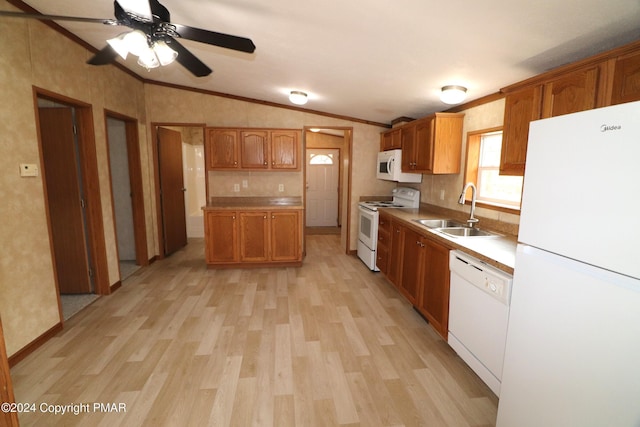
(374,60)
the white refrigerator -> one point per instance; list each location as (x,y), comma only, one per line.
(572,355)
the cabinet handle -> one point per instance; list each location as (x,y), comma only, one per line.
(417,243)
(273,163)
(273,217)
(265,163)
(264,217)
(234,217)
(235,163)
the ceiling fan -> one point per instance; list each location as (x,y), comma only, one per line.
(153,38)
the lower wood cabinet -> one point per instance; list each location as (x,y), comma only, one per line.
(419,268)
(253,237)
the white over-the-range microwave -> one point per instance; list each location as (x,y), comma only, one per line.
(389,168)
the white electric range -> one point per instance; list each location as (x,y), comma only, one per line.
(403,197)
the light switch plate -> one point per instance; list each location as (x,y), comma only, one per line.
(29,169)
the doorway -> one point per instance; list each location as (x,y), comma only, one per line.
(171,189)
(323,188)
(72,198)
(319,142)
(126,193)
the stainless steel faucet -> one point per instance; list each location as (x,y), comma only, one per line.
(471,221)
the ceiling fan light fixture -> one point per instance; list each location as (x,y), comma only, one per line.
(148,59)
(297,97)
(165,54)
(453,94)
(120,45)
(136,42)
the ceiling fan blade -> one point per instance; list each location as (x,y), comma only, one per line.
(188,60)
(56,17)
(228,41)
(139,8)
(105,56)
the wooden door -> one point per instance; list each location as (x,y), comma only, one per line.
(221,148)
(285,236)
(424,145)
(433,301)
(254,236)
(221,231)
(323,171)
(65,200)
(8,419)
(174,225)
(521,108)
(411,264)
(285,146)
(254,149)
(571,93)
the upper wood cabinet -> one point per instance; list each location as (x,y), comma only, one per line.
(221,148)
(433,144)
(390,140)
(574,91)
(285,147)
(520,109)
(252,149)
(626,79)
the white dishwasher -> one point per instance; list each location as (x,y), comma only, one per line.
(478,315)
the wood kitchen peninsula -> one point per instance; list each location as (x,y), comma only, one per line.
(253,232)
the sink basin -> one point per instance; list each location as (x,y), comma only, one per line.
(438,223)
(465,232)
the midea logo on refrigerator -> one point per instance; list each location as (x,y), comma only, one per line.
(607,128)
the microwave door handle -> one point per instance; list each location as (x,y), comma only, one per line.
(390,164)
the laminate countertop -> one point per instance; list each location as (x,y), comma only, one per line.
(498,251)
(257,203)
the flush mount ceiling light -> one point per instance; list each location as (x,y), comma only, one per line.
(453,94)
(297,97)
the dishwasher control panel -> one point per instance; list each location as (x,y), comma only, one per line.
(491,280)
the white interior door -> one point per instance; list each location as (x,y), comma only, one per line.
(323,167)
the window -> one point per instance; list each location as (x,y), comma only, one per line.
(321,159)
(483,164)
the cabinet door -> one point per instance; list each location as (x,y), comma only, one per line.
(254,146)
(412,259)
(221,148)
(284,150)
(574,92)
(433,302)
(285,236)
(408,142)
(254,236)
(521,107)
(626,79)
(390,140)
(424,146)
(221,231)
(394,267)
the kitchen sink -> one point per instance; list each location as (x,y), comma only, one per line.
(438,223)
(465,232)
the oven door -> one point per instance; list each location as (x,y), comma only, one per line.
(368,228)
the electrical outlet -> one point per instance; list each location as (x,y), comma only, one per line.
(281,187)
(245,183)
(236,187)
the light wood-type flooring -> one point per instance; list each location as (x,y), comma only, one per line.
(327,344)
